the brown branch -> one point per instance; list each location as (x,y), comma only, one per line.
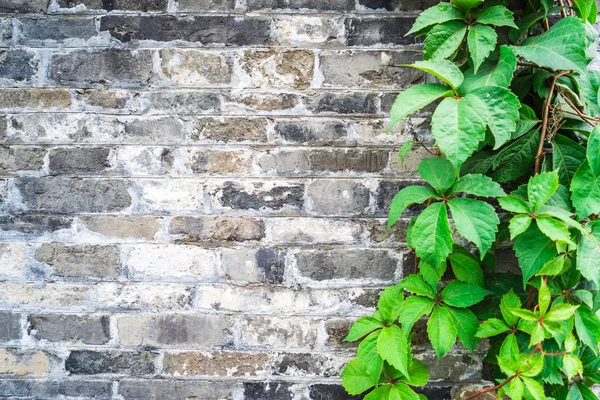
(429,151)
(563,12)
(484,391)
(581,115)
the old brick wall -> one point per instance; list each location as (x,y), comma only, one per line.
(194,193)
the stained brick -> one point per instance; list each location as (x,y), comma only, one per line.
(17,65)
(109,5)
(56,29)
(10,326)
(88,329)
(55,388)
(81,260)
(378,31)
(159,389)
(86,362)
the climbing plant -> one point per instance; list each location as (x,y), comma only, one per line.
(516,164)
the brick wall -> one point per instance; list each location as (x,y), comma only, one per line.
(194,195)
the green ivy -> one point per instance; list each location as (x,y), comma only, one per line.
(517,165)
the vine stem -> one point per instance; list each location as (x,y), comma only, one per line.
(577,111)
(491,389)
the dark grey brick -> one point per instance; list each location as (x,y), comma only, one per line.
(10,326)
(113,67)
(385,194)
(272,263)
(268,391)
(334,5)
(330,392)
(157,389)
(56,29)
(201,5)
(309,364)
(305,132)
(378,31)
(84,362)
(235,196)
(435,393)
(376,4)
(17,65)
(81,260)
(109,5)
(338,197)
(79,160)
(50,389)
(66,196)
(34,224)
(322,265)
(23,6)
(203,29)
(186,102)
(344,103)
(89,329)
(17,158)
(416,5)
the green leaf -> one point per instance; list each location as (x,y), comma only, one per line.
(516,389)
(415,98)
(541,187)
(571,366)
(407,196)
(588,254)
(390,301)
(580,392)
(369,355)
(527,120)
(534,388)
(481,40)
(438,172)
(587,326)
(593,151)
(503,112)
(378,393)
(497,16)
(585,296)
(356,379)
(492,327)
(585,189)
(584,7)
(414,308)
(438,14)
(544,298)
(458,126)
(475,220)
(442,69)
(560,312)
(554,229)
(510,301)
(518,224)
(514,204)
(553,267)
(466,324)
(567,157)
(416,284)
(400,391)
(516,159)
(530,365)
(431,275)
(362,327)
(405,150)
(393,347)
(491,73)
(432,236)
(466,268)
(460,294)
(444,39)
(419,376)
(466,5)
(561,48)
(477,185)
(441,330)
(534,250)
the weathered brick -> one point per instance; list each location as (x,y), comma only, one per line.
(337,160)
(220,363)
(369,69)
(259,195)
(279,69)
(337,5)
(344,103)
(202,5)
(337,330)
(85,362)
(311,132)
(185,102)
(223,228)
(312,230)
(109,5)
(203,29)
(231,129)
(32,224)
(49,294)
(158,389)
(79,160)
(436,393)
(123,227)
(166,196)
(56,388)
(55,29)
(196,68)
(10,327)
(35,98)
(81,260)
(378,31)
(416,5)
(205,331)
(275,332)
(373,132)
(455,367)
(271,391)
(112,67)
(347,264)
(308,364)
(23,6)
(250,265)
(18,65)
(389,5)
(88,329)
(15,262)
(14,159)
(134,160)
(330,392)
(338,197)
(307,31)
(221,162)
(24,362)
(156,262)
(144,296)
(244,101)
(104,98)
(162,129)
(67,196)
(411,163)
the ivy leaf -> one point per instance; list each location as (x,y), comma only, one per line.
(516,389)
(369,355)
(481,40)
(553,267)
(444,39)
(458,126)
(518,224)
(405,150)
(416,284)
(362,327)
(389,304)
(442,69)
(541,187)
(466,268)
(514,204)
(516,159)
(580,392)
(356,379)
(534,387)
(560,48)
(544,298)
(527,120)
(419,376)
(593,151)
(414,308)
(585,8)
(460,294)
(432,236)
(407,196)
(503,112)
(497,16)
(492,327)
(414,98)
(438,172)
(571,366)
(588,253)
(554,229)
(491,73)
(466,324)
(587,326)
(560,312)
(400,391)
(377,394)
(475,220)
(477,185)
(510,301)
(466,5)
(585,189)
(441,331)
(438,14)
(392,346)
(533,249)
(567,157)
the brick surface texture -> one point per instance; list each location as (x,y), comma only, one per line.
(193,195)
